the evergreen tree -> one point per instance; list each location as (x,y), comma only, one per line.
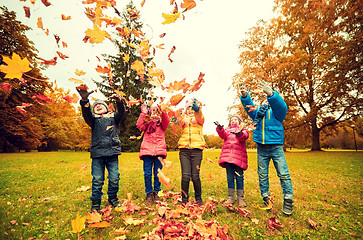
(125,79)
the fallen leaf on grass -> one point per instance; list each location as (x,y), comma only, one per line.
(83,189)
(255,221)
(78,224)
(130,220)
(122,231)
(273,223)
(312,224)
(94,217)
(102,224)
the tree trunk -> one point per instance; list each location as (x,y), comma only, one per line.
(315,138)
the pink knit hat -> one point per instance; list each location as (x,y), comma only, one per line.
(188,104)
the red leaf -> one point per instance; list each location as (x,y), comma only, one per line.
(52,62)
(27,11)
(6,86)
(273,223)
(171,52)
(46,3)
(42,97)
(61,55)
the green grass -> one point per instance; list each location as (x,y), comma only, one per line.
(38,197)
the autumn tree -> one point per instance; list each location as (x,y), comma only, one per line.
(311,52)
(124,78)
(63,127)
(19,98)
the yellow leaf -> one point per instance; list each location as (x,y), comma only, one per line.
(15,67)
(102,224)
(79,72)
(76,81)
(78,224)
(170,18)
(129,220)
(40,23)
(126,57)
(138,66)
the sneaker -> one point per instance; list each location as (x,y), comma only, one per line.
(267,204)
(149,199)
(156,196)
(287,206)
(96,206)
(114,202)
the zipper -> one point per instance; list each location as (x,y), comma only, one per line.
(263,130)
(190,135)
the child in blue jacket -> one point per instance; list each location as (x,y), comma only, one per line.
(105,146)
(269,137)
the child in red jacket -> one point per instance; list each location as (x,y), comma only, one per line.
(234,157)
(154,123)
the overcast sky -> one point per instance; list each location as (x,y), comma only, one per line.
(206,41)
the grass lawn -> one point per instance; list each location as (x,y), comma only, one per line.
(39,197)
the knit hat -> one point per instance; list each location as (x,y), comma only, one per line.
(236,116)
(99,101)
(188,104)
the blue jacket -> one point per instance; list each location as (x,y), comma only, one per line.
(269,130)
(105,138)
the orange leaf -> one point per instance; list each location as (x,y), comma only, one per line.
(76,81)
(105,70)
(64,44)
(15,66)
(94,217)
(53,61)
(96,35)
(102,224)
(176,99)
(188,4)
(65,18)
(138,66)
(40,23)
(163,179)
(171,52)
(61,55)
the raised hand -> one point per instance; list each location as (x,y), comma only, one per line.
(84,93)
(144,108)
(195,106)
(243,90)
(266,88)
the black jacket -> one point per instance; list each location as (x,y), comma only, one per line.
(105,138)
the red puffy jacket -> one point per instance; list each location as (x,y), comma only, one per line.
(153,143)
(234,147)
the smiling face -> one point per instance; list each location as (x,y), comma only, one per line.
(99,108)
(189,111)
(234,121)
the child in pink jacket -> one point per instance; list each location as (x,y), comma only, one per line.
(234,157)
(154,123)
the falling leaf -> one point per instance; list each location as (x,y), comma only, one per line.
(71,99)
(46,3)
(251,108)
(170,18)
(188,4)
(78,224)
(96,35)
(53,61)
(79,72)
(163,179)
(209,160)
(66,17)
(171,52)
(64,44)
(27,11)
(162,35)
(76,81)
(176,99)
(138,66)
(61,55)
(42,97)
(15,66)
(40,23)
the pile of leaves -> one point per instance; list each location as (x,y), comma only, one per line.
(171,219)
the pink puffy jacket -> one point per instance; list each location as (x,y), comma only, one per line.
(234,147)
(153,144)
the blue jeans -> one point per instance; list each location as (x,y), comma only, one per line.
(98,173)
(234,173)
(275,152)
(190,160)
(151,165)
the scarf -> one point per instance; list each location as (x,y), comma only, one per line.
(153,124)
(261,113)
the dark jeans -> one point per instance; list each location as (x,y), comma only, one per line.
(151,165)
(234,173)
(98,173)
(190,160)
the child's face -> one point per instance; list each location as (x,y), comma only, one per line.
(154,113)
(234,121)
(190,112)
(100,108)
